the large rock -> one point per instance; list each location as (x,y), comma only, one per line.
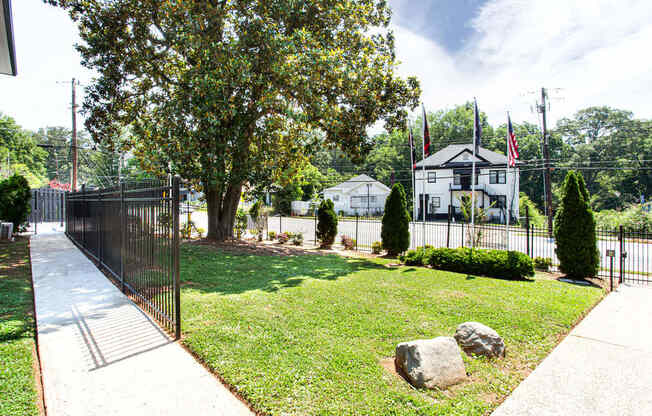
(431,363)
(478,339)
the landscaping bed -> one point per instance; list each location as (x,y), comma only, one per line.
(18,362)
(309,334)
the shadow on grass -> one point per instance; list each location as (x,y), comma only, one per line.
(212,270)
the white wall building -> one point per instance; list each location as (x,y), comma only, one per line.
(448,177)
(361,195)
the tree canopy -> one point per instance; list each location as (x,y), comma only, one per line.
(228,93)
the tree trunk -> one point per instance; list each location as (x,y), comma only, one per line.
(222,207)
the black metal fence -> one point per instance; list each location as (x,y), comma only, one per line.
(631,250)
(46,205)
(132,231)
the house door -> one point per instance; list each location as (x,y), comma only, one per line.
(421,207)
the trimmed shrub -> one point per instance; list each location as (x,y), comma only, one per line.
(494,263)
(271,235)
(348,242)
(15,199)
(376,247)
(297,239)
(542,263)
(326,224)
(240,223)
(395,232)
(574,230)
(418,257)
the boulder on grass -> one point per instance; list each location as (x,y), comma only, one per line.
(478,339)
(431,363)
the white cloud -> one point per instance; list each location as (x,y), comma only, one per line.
(595,50)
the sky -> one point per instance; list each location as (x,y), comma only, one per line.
(586,52)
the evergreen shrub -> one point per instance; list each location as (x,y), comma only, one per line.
(395,231)
(326,224)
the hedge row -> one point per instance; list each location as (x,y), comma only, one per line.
(495,263)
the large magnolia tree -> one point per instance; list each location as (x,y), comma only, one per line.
(228,93)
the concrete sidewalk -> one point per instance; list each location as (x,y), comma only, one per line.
(101,355)
(603,367)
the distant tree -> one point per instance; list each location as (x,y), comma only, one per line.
(326,224)
(230,93)
(15,197)
(574,230)
(395,232)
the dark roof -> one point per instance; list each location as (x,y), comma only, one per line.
(7,48)
(452,150)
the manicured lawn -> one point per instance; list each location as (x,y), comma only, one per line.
(17,388)
(305,334)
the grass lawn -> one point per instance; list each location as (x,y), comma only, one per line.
(17,388)
(305,334)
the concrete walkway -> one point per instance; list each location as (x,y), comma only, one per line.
(101,355)
(603,367)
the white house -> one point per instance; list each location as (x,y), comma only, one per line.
(361,195)
(447,176)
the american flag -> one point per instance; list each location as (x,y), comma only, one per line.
(513,144)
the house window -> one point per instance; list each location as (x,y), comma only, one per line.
(361,201)
(435,203)
(432,177)
(336,198)
(497,201)
(497,176)
(458,178)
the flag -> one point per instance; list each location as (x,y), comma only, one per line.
(477,127)
(426,134)
(513,144)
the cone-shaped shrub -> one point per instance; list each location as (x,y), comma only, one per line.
(574,230)
(396,222)
(15,198)
(326,224)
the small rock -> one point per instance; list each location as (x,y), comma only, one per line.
(478,339)
(431,363)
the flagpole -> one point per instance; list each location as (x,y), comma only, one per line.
(507,199)
(475,109)
(423,177)
(414,189)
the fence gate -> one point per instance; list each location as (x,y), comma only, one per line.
(132,232)
(47,205)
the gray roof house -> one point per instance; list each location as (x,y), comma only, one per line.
(360,195)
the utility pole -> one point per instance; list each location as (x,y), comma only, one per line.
(74,136)
(546,157)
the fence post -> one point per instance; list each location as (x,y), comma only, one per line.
(83,214)
(123,236)
(462,233)
(280,223)
(621,238)
(267,225)
(63,204)
(356,231)
(98,228)
(175,257)
(448,228)
(36,212)
(527,230)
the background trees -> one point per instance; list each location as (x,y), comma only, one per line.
(234,93)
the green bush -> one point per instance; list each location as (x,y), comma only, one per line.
(271,235)
(283,238)
(396,222)
(297,239)
(542,263)
(574,230)
(240,223)
(536,217)
(15,199)
(376,247)
(495,263)
(418,257)
(634,218)
(326,224)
